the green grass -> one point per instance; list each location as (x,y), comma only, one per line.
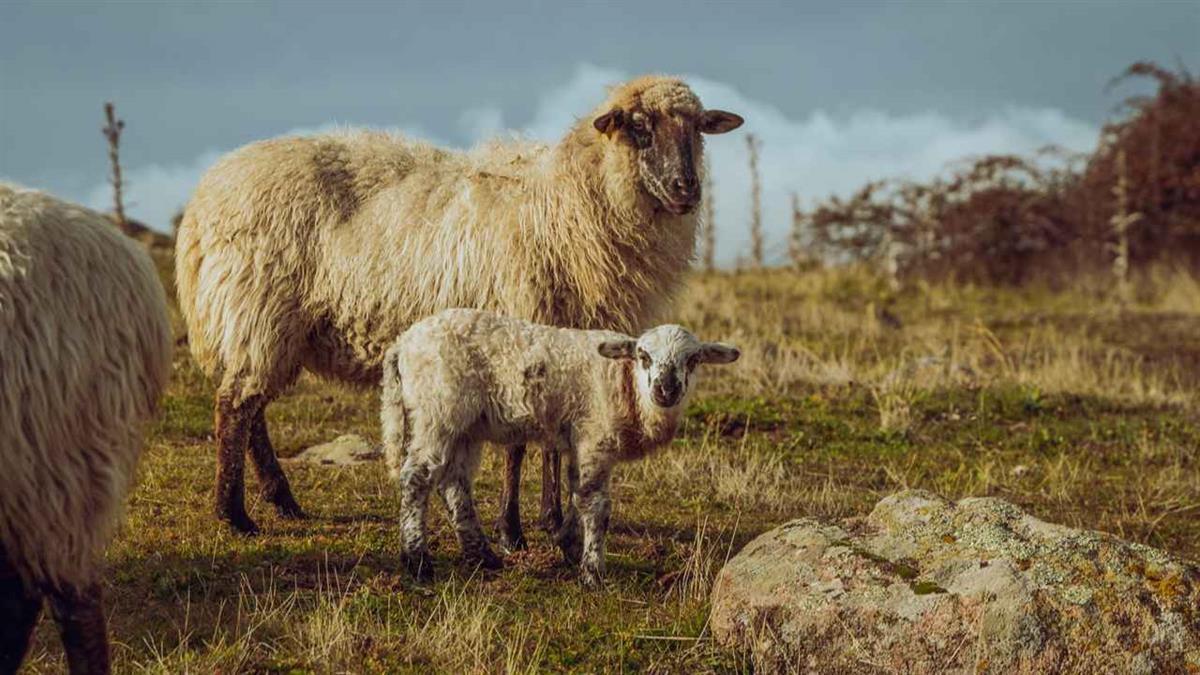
(759,447)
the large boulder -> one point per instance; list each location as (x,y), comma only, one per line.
(925,585)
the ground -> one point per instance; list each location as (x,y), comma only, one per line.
(1074,406)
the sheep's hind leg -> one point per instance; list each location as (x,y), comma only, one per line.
(20,607)
(508,526)
(415,483)
(233,423)
(81,623)
(271,480)
(552,515)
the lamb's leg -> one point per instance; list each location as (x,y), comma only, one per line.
(233,423)
(568,538)
(552,515)
(20,607)
(595,505)
(415,483)
(81,623)
(456,490)
(509,524)
(271,480)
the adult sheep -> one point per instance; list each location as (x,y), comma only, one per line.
(316,253)
(85,351)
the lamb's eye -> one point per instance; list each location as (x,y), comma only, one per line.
(693,361)
(644,359)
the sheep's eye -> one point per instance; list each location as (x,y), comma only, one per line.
(644,359)
(693,361)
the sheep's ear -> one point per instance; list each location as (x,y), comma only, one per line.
(617,349)
(719,122)
(610,121)
(716,352)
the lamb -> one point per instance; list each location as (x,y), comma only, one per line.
(85,352)
(463,377)
(316,253)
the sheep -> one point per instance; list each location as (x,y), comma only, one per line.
(85,352)
(463,377)
(316,253)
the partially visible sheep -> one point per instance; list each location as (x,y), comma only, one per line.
(316,253)
(463,377)
(85,351)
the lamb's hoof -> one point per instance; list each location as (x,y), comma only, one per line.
(419,565)
(239,523)
(571,546)
(591,579)
(484,557)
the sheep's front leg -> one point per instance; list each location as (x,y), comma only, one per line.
(456,490)
(509,523)
(82,625)
(595,506)
(568,538)
(415,483)
(20,606)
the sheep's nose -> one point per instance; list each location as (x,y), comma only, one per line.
(666,394)
(686,187)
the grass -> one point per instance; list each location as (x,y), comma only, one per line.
(1068,403)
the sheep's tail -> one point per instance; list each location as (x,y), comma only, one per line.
(394,415)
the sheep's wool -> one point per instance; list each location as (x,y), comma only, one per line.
(85,352)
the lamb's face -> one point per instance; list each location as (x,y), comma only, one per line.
(662,129)
(666,358)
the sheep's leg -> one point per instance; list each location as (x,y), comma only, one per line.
(595,506)
(509,524)
(415,482)
(568,539)
(20,607)
(456,491)
(81,623)
(233,423)
(552,515)
(271,480)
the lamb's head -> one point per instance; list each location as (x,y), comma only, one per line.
(666,358)
(657,122)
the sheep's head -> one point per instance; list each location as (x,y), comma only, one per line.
(666,360)
(660,121)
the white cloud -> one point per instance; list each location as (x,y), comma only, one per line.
(814,156)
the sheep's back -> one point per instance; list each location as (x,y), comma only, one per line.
(85,352)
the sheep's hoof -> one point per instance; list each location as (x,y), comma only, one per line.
(240,523)
(290,510)
(419,565)
(485,558)
(571,546)
(510,543)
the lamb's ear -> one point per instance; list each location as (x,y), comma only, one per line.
(716,352)
(719,122)
(617,349)
(610,121)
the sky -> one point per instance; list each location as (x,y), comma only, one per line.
(839,93)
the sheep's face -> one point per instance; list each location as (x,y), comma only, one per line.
(666,358)
(667,147)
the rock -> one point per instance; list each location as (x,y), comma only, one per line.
(342,451)
(925,585)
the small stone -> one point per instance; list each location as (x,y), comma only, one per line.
(345,450)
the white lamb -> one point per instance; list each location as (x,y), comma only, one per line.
(463,377)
